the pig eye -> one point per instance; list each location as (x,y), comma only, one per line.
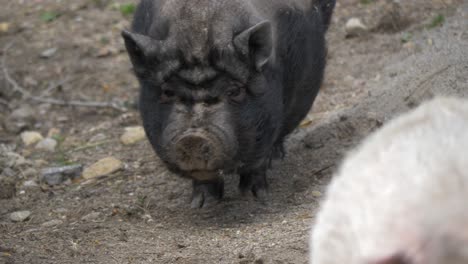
(236,94)
(211,101)
(167,96)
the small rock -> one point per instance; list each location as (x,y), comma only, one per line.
(62,119)
(106,51)
(30,184)
(8,172)
(132,135)
(15,160)
(52,223)
(48,53)
(31,137)
(24,112)
(316,194)
(53,179)
(30,81)
(57,175)
(47,144)
(103,167)
(40,163)
(20,119)
(7,188)
(91,216)
(355,27)
(409,45)
(60,210)
(53,132)
(392,19)
(4,27)
(19,216)
(97,138)
(29,173)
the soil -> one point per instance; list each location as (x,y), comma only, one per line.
(141,214)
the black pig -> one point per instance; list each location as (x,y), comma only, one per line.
(224,81)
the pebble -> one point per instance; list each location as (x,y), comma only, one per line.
(29,173)
(8,172)
(60,210)
(20,119)
(30,184)
(31,137)
(15,160)
(53,132)
(57,175)
(103,167)
(23,112)
(91,216)
(48,144)
(53,179)
(20,216)
(98,137)
(4,27)
(316,194)
(52,223)
(392,18)
(48,53)
(355,27)
(7,188)
(132,135)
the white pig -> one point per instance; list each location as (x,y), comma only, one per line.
(401,197)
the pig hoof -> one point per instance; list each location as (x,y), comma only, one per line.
(261,194)
(256,183)
(206,194)
(198,199)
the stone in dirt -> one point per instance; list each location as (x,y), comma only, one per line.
(56,175)
(20,216)
(97,138)
(132,135)
(91,216)
(51,223)
(29,172)
(23,112)
(20,119)
(14,160)
(7,188)
(31,137)
(30,184)
(354,27)
(53,132)
(103,167)
(48,144)
(48,53)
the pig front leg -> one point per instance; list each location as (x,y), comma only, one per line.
(205,193)
(256,182)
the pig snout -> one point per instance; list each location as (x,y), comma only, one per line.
(197,150)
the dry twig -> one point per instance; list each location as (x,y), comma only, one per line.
(27,95)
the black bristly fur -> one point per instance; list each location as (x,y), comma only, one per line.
(197,53)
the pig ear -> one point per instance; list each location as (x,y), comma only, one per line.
(256,43)
(394,259)
(139,47)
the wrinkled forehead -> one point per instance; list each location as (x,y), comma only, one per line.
(196,38)
(218,63)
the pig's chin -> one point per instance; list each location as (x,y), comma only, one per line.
(204,175)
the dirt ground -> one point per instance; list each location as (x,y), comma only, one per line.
(71,51)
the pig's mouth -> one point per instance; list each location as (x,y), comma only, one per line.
(204,175)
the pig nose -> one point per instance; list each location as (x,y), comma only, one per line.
(193,152)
